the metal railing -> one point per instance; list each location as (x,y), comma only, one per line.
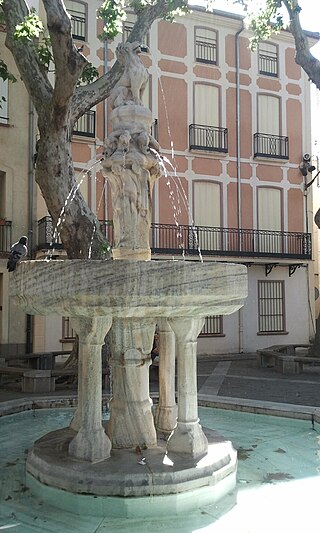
(206,51)
(209,138)
(78,24)
(168,238)
(172,239)
(86,125)
(273,146)
(5,236)
(46,235)
(268,64)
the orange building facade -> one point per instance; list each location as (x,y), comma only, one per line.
(234,127)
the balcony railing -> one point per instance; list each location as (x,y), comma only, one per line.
(273,146)
(206,51)
(209,138)
(268,64)
(46,235)
(86,125)
(5,236)
(78,24)
(170,239)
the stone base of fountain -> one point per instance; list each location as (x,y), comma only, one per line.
(129,484)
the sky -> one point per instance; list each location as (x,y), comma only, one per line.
(309,16)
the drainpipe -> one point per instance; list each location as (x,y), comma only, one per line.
(237,53)
(237,43)
(31,149)
(105,123)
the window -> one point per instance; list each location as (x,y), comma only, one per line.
(67,331)
(207,214)
(271,307)
(206,105)
(127,27)
(4,108)
(270,219)
(206,45)
(268,142)
(206,133)
(213,326)
(268,59)
(77,11)
(86,125)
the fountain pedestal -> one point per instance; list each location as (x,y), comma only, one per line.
(131,423)
(91,442)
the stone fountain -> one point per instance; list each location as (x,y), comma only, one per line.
(142,451)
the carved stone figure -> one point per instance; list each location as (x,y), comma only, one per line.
(130,87)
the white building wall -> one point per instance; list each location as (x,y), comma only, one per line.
(297,313)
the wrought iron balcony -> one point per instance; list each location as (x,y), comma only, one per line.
(206,51)
(78,24)
(272,146)
(86,125)
(209,138)
(171,239)
(268,64)
(49,238)
(5,235)
(167,238)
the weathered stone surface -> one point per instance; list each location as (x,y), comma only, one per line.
(129,288)
(122,475)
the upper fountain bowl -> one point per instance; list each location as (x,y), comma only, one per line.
(129,288)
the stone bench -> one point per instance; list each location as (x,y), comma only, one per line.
(39,381)
(285,359)
(34,381)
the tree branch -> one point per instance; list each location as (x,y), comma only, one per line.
(25,55)
(304,57)
(87,96)
(69,63)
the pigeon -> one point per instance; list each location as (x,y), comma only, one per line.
(17,252)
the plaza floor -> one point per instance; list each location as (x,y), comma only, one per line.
(279,457)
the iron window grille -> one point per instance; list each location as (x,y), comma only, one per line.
(272,146)
(5,235)
(268,60)
(271,307)
(67,332)
(209,138)
(78,21)
(86,125)
(206,47)
(127,27)
(213,326)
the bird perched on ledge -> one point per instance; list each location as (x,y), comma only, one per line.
(18,251)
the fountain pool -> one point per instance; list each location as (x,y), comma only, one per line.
(277,487)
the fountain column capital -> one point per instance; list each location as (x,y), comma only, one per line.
(91,330)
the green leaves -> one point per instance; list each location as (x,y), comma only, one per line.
(267,22)
(5,74)
(89,74)
(30,28)
(112,12)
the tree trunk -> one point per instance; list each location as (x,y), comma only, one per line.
(73,220)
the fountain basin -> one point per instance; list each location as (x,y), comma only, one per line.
(129,288)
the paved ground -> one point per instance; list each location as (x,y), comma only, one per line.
(235,377)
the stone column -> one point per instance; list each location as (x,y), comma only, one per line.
(131,420)
(188,436)
(91,442)
(166,415)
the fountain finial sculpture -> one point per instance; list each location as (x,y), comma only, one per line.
(131,164)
